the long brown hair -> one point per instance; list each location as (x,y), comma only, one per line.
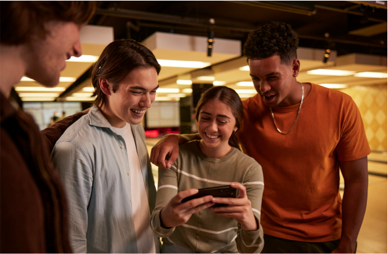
(117,60)
(22,21)
(229,97)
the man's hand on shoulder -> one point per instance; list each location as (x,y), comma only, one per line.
(165,152)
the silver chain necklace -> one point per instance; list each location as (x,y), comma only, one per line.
(300,107)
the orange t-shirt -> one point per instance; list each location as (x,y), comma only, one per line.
(301,199)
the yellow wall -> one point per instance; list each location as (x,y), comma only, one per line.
(372,102)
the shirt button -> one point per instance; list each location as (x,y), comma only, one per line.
(122,147)
(127,173)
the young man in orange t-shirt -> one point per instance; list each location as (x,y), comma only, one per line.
(302,135)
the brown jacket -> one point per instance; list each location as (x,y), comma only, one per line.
(33,212)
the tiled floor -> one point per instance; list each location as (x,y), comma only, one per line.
(373,233)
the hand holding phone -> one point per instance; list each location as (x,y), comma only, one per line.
(225,191)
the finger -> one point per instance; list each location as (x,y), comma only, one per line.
(154,155)
(201,207)
(184,194)
(229,201)
(241,189)
(163,153)
(173,156)
(197,202)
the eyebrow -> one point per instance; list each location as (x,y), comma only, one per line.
(142,88)
(217,115)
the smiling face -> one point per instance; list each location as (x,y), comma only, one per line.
(134,95)
(275,81)
(47,58)
(216,124)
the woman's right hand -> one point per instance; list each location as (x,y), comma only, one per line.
(176,213)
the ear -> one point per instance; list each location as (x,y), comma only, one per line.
(295,67)
(235,129)
(104,86)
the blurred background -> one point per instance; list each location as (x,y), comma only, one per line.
(343,45)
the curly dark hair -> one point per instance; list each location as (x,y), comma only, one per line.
(274,38)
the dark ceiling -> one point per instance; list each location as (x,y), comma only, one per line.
(338,24)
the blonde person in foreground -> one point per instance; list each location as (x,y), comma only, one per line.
(214,160)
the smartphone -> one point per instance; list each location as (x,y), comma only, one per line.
(225,191)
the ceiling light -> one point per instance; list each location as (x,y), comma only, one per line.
(88,89)
(177,95)
(38,94)
(219,83)
(183,64)
(331,72)
(244,68)
(39,89)
(70,98)
(86,95)
(166,99)
(245,91)
(67,79)
(167,90)
(206,78)
(244,83)
(184,82)
(371,74)
(84,59)
(38,99)
(334,86)
(245,95)
(187,90)
(61,79)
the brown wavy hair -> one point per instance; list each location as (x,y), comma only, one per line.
(274,38)
(22,21)
(118,59)
(229,97)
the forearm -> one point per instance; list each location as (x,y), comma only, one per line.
(353,211)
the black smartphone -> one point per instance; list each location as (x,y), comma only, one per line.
(225,191)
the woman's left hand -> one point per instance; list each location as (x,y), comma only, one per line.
(239,208)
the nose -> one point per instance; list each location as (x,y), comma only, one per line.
(213,126)
(146,100)
(264,87)
(77,49)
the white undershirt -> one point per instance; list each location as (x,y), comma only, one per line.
(140,208)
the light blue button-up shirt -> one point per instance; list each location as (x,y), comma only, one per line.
(93,164)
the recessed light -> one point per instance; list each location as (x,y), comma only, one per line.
(187,90)
(183,64)
(88,89)
(38,94)
(83,58)
(70,98)
(371,74)
(61,79)
(219,83)
(253,91)
(244,83)
(184,82)
(206,78)
(244,68)
(39,89)
(37,98)
(167,90)
(331,72)
(177,95)
(334,86)
(86,95)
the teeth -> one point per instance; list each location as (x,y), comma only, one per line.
(210,136)
(138,111)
